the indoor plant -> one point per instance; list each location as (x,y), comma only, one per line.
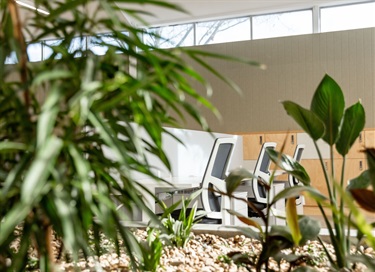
(57,116)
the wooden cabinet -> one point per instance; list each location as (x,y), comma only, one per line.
(252,144)
(289,141)
(370,138)
(314,169)
(356,161)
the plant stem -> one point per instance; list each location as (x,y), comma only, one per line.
(17,28)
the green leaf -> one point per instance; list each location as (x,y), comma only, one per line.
(328,104)
(52,75)
(7,146)
(310,229)
(370,154)
(307,119)
(289,165)
(249,232)
(353,124)
(292,220)
(235,178)
(296,191)
(36,177)
(363,181)
(365,198)
(246,220)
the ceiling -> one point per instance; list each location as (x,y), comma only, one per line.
(203,10)
(198,10)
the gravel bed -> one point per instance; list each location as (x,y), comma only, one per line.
(205,253)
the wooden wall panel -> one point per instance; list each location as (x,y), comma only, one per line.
(295,66)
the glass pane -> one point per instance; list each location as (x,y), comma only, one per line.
(347,17)
(11,59)
(223,31)
(34,52)
(47,48)
(99,44)
(170,36)
(282,24)
(77,45)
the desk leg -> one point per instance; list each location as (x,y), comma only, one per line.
(150,203)
(225,215)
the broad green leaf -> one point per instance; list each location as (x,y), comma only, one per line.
(235,178)
(307,119)
(370,154)
(281,233)
(248,221)
(363,181)
(365,198)
(328,104)
(353,124)
(292,220)
(309,228)
(249,232)
(357,215)
(289,165)
(295,191)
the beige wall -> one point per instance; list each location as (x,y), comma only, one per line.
(295,66)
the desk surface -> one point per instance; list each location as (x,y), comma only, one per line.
(174,182)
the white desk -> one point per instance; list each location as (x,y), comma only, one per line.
(176,183)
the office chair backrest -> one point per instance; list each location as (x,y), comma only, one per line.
(292,180)
(262,171)
(215,174)
(297,156)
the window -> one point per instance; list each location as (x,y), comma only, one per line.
(347,17)
(48,48)
(223,31)
(34,52)
(282,24)
(170,36)
(100,44)
(11,59)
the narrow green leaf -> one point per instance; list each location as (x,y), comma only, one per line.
(292,220)
(7,146)
(51,75)
(308,120)
(37,176)
(353,124)
(328,104)
(14,217)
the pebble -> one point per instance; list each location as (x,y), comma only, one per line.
(203,254)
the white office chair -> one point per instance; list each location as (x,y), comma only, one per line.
(261,172)
(214,177)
